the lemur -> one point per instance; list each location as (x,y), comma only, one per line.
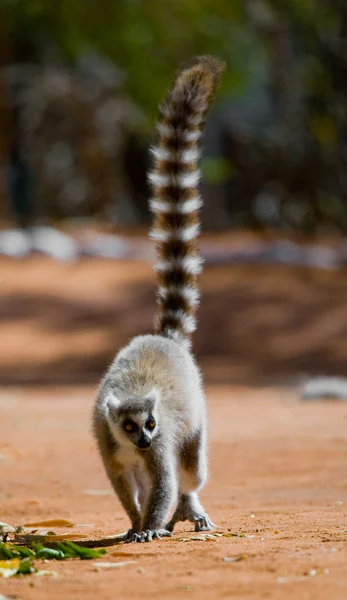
(149,419)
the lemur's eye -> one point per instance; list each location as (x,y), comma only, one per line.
(129,426)
(151,424)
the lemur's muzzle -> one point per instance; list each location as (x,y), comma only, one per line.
(144,442)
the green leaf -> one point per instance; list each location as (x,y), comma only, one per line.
(85,553)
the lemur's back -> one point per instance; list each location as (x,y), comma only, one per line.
(155,361)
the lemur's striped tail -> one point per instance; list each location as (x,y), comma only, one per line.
(176,201)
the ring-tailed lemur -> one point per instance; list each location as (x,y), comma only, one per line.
(150,417)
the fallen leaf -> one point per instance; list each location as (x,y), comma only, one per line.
(44,572)
(49,537)
(71,548)
(50,523)
(114,565)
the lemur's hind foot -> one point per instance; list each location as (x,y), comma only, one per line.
(203,523)
(127,536)
(190,509)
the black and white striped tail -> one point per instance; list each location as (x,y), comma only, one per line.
(176,200)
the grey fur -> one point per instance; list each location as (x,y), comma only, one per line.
(154,376)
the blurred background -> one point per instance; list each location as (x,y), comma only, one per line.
(79,89)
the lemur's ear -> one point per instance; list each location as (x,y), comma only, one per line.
(153,395)
(111,405)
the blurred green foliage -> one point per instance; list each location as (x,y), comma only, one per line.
(291,156)
(216,170)
(147,38)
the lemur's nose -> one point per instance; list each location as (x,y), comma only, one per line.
(144,442)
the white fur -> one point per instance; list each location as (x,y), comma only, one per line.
(191,155)
(159,235)
(160,206)
(191,294)
(191,136)
(186,234)
(160,179)
(166,131)
(186,156)
(167,111)
(182,180)
(174,334)
(185,207)
(162,153)
(189,206)
(112,401)
(154,394)
(187,180)
(190,264)
(187,321)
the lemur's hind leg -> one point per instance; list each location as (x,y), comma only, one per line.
(190,509)
(193,475)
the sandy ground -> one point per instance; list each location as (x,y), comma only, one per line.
(278,465)
(278,475)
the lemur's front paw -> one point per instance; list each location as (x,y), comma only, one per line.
(203,523)
(148,536)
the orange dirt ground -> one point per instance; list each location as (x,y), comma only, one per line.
(277,465)
(278,474)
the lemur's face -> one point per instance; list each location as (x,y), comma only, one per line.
(133,421)
(139,428)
